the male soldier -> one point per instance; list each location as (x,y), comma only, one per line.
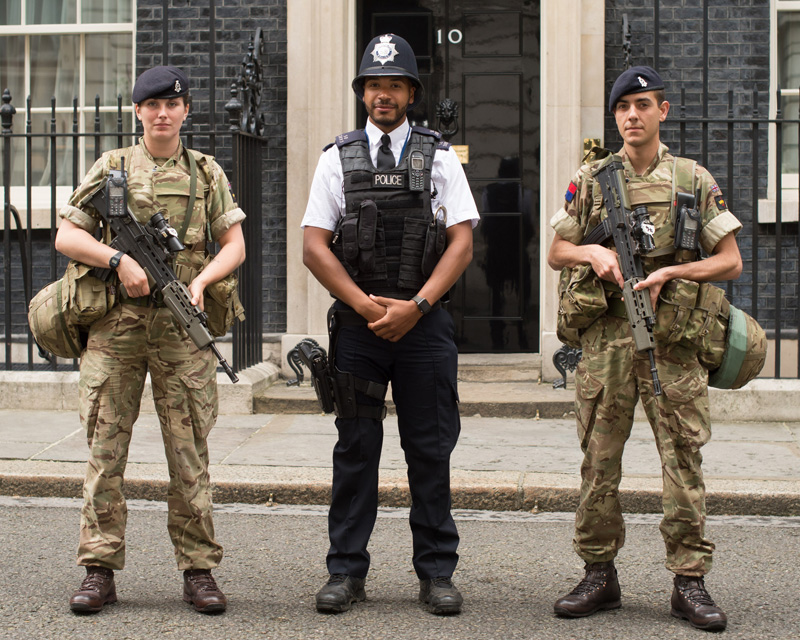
(140,334)
(373,238)
(612,375)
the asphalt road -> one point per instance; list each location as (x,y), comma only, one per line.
(513,566)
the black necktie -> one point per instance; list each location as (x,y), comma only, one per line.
(385,155)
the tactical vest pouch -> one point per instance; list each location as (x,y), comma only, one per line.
(60,314)
(729,342)
(222,304)
(367,229)
(677,300)
(582,299)
(412,250)
(435,243)
(348,231)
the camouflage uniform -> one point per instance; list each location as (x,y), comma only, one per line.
(138,336)
(612,375)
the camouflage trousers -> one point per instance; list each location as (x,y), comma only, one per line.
(122,347)
(609,380)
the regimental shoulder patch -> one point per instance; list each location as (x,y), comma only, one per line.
(572,189)
(720,202)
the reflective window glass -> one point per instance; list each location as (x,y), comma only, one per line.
(51,11)
(109,68)
(10,12)
(54,69)
(105,11)
(12,50)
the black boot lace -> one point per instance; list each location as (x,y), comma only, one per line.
(203,582)
(694,590)
(95,581)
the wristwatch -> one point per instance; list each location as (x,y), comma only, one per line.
(114,260)
(422,304)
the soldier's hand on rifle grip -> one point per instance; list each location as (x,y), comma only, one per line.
(133,277)
(196,289)
(605,263)
(654,282)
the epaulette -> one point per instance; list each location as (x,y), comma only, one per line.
(444,145)
(427,132)
(327,146)
(353,136)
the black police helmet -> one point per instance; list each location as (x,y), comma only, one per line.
(389,55)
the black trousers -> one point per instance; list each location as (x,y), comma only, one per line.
(422,367)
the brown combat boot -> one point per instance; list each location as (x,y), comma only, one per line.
(599,590)
(691,601)
(201,591)
(96,590)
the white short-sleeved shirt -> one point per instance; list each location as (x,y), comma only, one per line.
(326,203)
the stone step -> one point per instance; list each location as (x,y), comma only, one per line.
(499,367)
(519,399)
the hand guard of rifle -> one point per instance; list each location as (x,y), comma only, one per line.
(632,232)
(151,245)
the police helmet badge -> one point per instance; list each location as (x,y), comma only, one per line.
(384,50)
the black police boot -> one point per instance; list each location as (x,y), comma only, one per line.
(691,601)
(441,595)
(339,593)
(598,591)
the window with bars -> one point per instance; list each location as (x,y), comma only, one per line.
(71,53)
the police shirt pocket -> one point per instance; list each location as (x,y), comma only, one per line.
(688,409)
(587,396)
(201,398)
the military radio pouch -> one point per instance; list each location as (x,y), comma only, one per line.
(688,222)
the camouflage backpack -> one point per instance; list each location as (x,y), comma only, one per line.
(60,315)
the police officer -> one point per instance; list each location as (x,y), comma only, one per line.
(612,375)
(388,231)
(140,335)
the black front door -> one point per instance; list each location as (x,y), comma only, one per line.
(480,58)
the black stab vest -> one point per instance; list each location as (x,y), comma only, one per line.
(388,239)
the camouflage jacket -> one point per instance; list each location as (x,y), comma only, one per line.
(163,185)
(584,209)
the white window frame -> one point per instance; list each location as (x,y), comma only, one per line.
(790,188)
(40,195)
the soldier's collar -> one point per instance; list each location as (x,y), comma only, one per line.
(663,150)
(171,161)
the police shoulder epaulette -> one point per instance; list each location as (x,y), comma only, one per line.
(353,136)
(443,145)
(426,132)
(327,146)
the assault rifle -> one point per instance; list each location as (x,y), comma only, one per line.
(633,237)
(150,245)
